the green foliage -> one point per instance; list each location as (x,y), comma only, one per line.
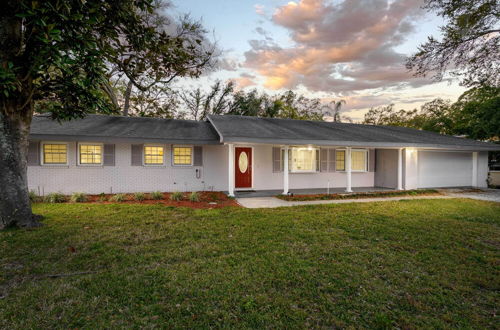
(139,196)
(474,115)
(224,99)
(78,197)
(34,198)
(433,262)
(55,198)
(102,197)
(469,47)
(157,195)
(177,196)
(117,198)
(60,53)
(194,196)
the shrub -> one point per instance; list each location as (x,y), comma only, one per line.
(156,195)
(78,197)
(139,196)
(34,198)
(194,196)
(55,198)
(176,196)
(117,198)
(102,197)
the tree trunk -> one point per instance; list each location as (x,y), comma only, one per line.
(126,105)
(15,206)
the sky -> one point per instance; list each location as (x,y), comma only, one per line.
(330,49)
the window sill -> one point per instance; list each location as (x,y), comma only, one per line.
(303,172)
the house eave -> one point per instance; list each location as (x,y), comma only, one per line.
(114,139)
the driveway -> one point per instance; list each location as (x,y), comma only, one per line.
(485,194)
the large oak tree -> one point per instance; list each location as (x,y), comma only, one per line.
(59,51)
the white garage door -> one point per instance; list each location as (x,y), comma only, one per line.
(444,169)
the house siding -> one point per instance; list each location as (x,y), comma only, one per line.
(123,177)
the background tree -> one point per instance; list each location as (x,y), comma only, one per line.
(333,110)
(181,50)
(475,115)
(59,51)
(199,104)
(469,47)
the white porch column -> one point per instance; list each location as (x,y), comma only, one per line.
(285,172)
(230,166)
(474,169)
(400,169)
(348,169)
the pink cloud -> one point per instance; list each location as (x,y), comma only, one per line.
(337,48)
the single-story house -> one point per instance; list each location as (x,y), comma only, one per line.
(113,154)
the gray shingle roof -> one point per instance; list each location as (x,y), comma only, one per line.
(288,131)
(130,129)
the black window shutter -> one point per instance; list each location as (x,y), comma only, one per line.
(331,160)
(109,155)
(34,153)
(136,159)
(324,160)
(197,156)
(371,160)
(277,167)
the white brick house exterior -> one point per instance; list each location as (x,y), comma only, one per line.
(386,165)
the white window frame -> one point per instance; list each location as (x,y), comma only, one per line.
(182,146)
(144,155)
(89,144)
(317,162)
(42,155)
(367,161)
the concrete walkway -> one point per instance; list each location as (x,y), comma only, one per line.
(270,202)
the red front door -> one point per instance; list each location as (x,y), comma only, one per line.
(243,167)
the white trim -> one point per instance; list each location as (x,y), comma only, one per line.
(286,172)
(42,158)
(474,169)
(400,169)
(78,160)
(144,155)
(181,146)
(252,167)
(230,170)
(348,170)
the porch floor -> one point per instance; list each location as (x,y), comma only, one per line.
(270,193)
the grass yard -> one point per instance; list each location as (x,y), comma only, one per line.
(407,264)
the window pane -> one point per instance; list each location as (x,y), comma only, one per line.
(153,155)
(54,153)
(90,154)
(183,155)
(340,160)
(303,159)
(358,160)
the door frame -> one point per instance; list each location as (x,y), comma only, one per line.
(251,166)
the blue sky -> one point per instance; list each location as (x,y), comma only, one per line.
(343,49)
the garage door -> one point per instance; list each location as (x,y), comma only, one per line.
(444,169)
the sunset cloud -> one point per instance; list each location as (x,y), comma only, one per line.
(341,48)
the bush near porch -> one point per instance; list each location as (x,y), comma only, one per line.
(396,193)
(406,264)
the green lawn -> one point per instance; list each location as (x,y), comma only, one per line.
(406,264)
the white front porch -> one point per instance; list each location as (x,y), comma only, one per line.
(267,181)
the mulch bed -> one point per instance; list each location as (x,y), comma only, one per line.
(208,200)
(312,197)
